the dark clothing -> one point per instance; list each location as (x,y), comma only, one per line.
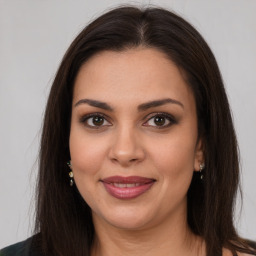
(27,248)
(23,248)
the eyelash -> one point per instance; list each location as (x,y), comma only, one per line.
(166,116)
(84,120)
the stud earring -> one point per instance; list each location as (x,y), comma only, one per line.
(71,175)
(201,167)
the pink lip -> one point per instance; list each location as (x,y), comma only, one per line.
(116,186)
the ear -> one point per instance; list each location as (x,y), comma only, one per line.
(199,155)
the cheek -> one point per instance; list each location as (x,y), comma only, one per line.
(174,160)
(87,153)
(87,156)
(174,155)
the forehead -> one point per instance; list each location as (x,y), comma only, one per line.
(132,75)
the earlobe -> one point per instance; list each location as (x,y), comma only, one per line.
(199,156)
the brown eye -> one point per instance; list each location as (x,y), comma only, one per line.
(95,121)
(159,120)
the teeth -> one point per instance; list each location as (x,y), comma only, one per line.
(131,185)
(122,185)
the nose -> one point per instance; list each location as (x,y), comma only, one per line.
(126,147)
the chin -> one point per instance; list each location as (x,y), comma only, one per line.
(128,219)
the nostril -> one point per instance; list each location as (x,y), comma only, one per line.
(131,160)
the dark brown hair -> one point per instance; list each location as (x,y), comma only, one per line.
(63,218)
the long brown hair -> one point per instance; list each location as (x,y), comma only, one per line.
(63,218)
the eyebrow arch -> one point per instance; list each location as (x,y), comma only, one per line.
(141,107)
(94,103)
(157,103)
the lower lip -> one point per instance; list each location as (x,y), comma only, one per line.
(127,193)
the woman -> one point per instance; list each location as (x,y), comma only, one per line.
(138,150)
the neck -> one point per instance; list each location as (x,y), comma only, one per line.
(171,237)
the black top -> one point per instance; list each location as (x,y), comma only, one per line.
(23,248)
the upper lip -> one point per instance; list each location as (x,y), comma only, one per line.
(128,180)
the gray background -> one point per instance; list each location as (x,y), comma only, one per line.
(33,38)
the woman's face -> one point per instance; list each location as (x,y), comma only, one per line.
(133,142)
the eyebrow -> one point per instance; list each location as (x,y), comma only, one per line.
(157,103)
(141,107)
(94,103)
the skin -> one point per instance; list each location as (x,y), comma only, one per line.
(130,142)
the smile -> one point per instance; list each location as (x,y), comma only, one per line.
(122,185)
(127,187)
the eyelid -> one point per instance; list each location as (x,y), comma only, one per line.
(168,116)
(85,117)
(172,120)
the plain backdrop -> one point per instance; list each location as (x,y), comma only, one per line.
(34,35)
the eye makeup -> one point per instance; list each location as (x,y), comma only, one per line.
(158,120)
